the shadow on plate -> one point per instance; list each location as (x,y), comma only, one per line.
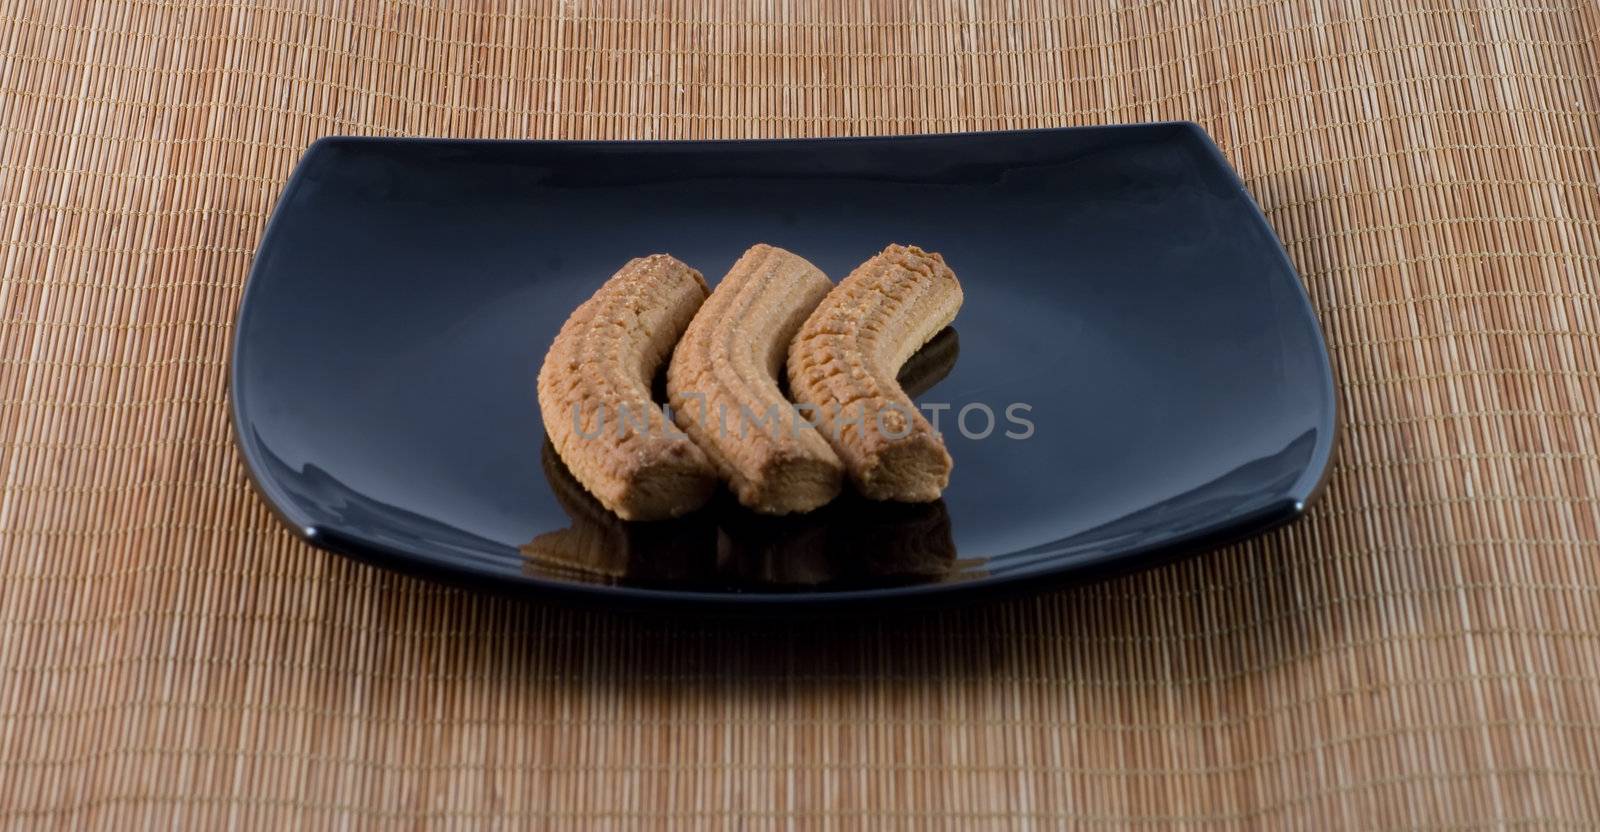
(850,543)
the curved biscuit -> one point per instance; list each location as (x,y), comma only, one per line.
(594,393)
(723,384)
(844,360)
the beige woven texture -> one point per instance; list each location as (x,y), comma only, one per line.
(1422,650)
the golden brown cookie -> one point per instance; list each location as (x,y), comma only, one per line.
(844,361)
(723,384)
(594,393)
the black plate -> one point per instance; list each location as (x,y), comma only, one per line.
(1119,281)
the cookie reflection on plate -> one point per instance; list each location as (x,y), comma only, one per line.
(850,542)
(930,363)
(599,547)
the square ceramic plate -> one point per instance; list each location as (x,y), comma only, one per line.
(1124,297)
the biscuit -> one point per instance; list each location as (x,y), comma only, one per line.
(594,393)
(723,385)
(844,361)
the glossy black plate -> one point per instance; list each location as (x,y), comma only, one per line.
(1120,284)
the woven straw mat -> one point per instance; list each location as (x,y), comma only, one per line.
(1422,650)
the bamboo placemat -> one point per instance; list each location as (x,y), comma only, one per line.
(1422,650)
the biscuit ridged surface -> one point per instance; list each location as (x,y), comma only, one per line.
(723,384)
(594,393)
(844,362)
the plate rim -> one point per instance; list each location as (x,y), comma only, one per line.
(1305,491)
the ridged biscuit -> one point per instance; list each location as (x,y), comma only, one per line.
(844,360)
(594,393)
(723,384)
